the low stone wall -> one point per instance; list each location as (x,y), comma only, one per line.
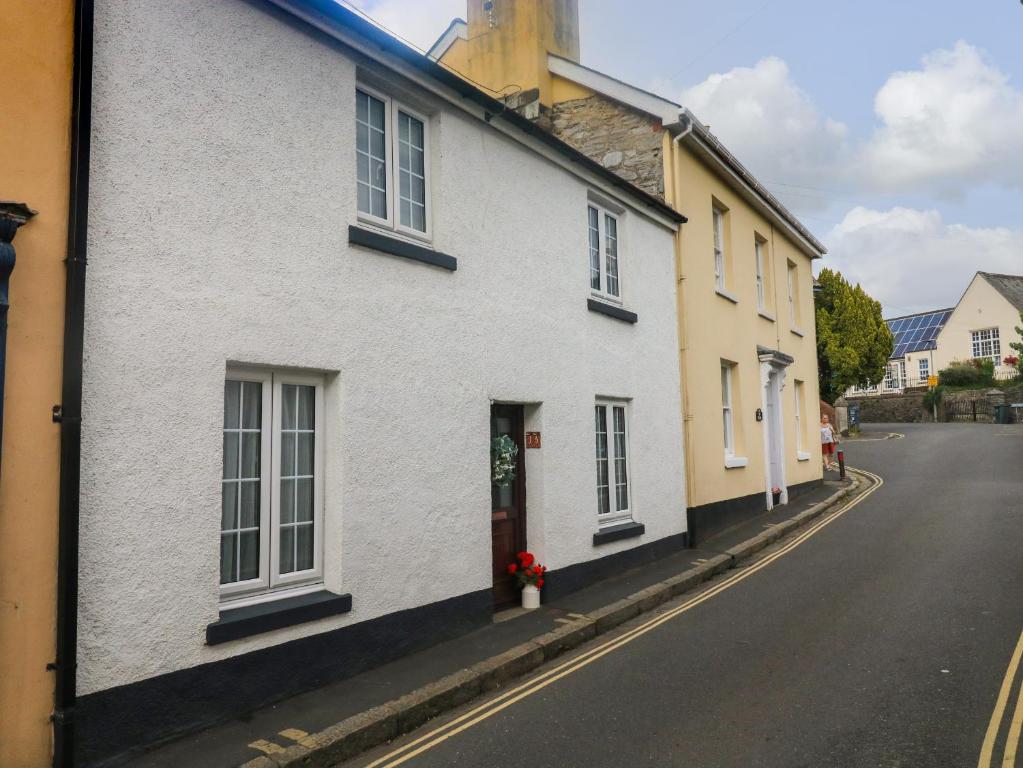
(899,408)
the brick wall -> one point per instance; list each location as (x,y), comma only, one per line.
(619,138)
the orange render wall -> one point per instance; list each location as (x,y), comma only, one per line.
(35,78)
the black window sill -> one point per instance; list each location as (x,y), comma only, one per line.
(627,530)
(611,311)
(395,247)
(236,623)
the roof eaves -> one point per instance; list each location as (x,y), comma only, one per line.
(457,30)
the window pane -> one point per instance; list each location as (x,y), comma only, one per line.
(231,454)
(621,470)
(228,506)
(252,403)
(411,173)
(249,507)
(376,113)
(371,154)
(378,203)
(594,230)
(248,556)
(304,547)
(250,454)
(361,106)
(287,501)
(232,400)
(289,406)
(287,549)
(305,454)
(304,500)
(611,249)
(363,198)
(306,407)
(228,558)
(603,500)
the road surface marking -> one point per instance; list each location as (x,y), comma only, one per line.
(490,708)
(1012,740)
(988,747)
(267,747)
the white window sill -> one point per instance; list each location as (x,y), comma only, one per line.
(413,236)
(727,295)
(802,456)
(607,298)
(735,462)
(766,315)
(798,332)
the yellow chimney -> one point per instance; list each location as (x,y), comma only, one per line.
(508,42)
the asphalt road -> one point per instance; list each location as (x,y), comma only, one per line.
(882,640)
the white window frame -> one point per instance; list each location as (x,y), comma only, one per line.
(271,580)
(924,368)
(614,516)
(393,220)
(603,214)
(792,271)
(758,255)
(801,452)
(991,342)
(718,225)
(727,410)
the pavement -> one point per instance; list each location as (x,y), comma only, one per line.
(886,636)
(272,728)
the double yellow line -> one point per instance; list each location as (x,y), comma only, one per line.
(490,708)
(1015,725)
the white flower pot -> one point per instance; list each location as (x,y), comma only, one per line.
(530,597)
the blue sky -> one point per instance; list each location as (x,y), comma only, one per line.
(893,129)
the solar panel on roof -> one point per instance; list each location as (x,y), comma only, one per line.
(917,332)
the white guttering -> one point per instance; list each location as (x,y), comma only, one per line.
(711,149)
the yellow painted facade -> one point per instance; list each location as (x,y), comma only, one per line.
(981,308)
(35,75)
(713,328)
(716,328)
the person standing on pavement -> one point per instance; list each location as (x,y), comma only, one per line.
(829,439)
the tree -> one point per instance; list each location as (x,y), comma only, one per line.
(853,340)
(1018,345)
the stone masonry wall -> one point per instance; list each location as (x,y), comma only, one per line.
(896,408)
(619,138)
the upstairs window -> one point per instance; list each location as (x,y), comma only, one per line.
(382,182)
(271,520)
(762,271)
(603,244)
(718,216)
(793,286)
(987,345)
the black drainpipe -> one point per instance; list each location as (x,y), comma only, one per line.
(69,412)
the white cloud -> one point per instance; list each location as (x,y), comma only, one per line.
(910,260)
(953,121)
(420,22)
(774,128)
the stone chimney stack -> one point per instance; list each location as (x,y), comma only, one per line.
(508,43)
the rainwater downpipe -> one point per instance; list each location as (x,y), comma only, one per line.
(683,306)
(68,413)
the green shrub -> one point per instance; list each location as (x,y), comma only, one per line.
(969,373)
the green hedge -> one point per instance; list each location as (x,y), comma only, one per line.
(968,373)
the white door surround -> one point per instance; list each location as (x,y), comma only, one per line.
(772,382)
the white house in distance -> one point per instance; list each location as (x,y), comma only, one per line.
(324,274)
(980,325)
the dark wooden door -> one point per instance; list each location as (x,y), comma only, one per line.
(508,507)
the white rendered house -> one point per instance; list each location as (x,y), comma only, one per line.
(324,274)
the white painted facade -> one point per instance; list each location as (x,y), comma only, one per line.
(982,309)
(223,184)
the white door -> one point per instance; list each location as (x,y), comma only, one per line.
(772,420)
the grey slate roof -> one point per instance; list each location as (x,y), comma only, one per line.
(1010,286)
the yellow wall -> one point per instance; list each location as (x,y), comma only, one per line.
(35,76)
(980,307)
(716,328)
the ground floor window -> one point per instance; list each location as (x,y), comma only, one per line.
(798,411)
(987,345)
(925,368)
(612,448)
(271,517)
(728,425)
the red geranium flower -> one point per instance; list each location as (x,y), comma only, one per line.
(512,567)
(526,559)
(539,582)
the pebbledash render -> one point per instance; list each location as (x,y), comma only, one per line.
(324,274)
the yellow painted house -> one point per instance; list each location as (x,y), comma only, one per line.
(36,74)
(745,288)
